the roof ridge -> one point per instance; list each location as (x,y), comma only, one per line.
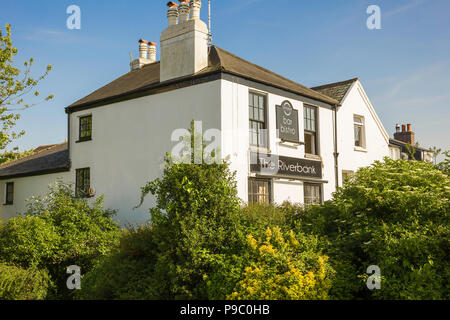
(26,158)
(334,84)
(272,72)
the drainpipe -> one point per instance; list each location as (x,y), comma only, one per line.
(336,154)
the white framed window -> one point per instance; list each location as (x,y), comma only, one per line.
(359,131)
(259,191)
(394,153)
(258,120)
(310,123)
(9,193)
(346,175)
(312,193)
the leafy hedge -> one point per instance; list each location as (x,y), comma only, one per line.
(23,284)
(196,246)
(394,214)
(57,231)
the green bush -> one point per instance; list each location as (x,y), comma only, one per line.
(284,267)
(57,231)
(28,241)
(196,245)
(23,284)
(394,214)
(125,274)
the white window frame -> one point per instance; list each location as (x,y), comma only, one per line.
(362,125)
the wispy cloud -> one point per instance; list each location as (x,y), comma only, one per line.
(419,77)
(50,31)
(242,4)
(404,8)
(56,36)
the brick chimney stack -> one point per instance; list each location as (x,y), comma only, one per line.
(406,135)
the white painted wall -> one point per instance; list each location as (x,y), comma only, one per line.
(352,158)
(131,138)
(235,141)
(25,188)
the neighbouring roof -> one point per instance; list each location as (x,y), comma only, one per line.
(399,143)
(220,60)
(55,158)
(336,90)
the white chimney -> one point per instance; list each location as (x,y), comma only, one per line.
(172,13)
(184,11)
(152,51)
(196,5)
(144,51)
(184,46)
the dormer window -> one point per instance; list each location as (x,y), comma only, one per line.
(85,128)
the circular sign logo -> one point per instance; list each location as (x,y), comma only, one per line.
(287,108)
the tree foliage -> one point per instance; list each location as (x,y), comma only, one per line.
(394,214)
(196,244)
(284,267)
(23,284)
(15,87)
(57,231)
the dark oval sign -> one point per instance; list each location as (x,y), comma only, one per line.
(287,122)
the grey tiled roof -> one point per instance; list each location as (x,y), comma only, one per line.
(52,159)
(220,60)
(336,90)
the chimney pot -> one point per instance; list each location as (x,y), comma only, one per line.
(403,128)
(409,127)
(196,5)
(152,51)
(172,13)
(184,10)
(142,49)
(397,128)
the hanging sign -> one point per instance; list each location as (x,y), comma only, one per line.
(287,122)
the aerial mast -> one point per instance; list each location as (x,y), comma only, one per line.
(209,24)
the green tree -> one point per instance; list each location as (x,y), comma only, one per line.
(196,245)
(23,284)
(57,231)
(436,152)
(15,86)
(444,165)
(394,214)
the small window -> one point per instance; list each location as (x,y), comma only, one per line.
(257,120)
(9,194)
(394,153)
(360,139)
(346,175)
(313,194)
(83,182)
(85,128)
(259,191)
(310,119)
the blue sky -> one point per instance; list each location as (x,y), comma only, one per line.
(404,67)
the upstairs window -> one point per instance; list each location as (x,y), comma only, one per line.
(310,119)
(82,182)
(313,194)
(259,191)
(9,194)
(85,128)
(257,120)
(360,134)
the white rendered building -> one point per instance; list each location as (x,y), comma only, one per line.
(285,141)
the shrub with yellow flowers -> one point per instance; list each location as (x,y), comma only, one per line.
(284,267)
